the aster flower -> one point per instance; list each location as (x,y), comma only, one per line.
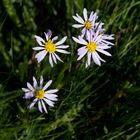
(40,94)
(88,24)
(49,47)
(94,45)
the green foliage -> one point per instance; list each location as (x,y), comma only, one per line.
(94,103)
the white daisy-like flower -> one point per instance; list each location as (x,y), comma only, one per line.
(41,95)
(49,47)
(88,24)
(94,45)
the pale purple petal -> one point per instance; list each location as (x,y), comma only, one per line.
(29,86)
(107,42)
(34,83)
(94,17)
(47,84)
(58,57)
(92,33)
(96,59)
(85,14)
(108,37)
(52,97)
(62,51)
(104,52)
(78,41)
(99,27)
(33,103)
(46,35)
(50,103)
(82,55)
(77,25)
(25,89)
(83,32)
(89,58)
(99,57)
(81,50)
(38,48)
(40,40)
(55,38)
(91,16)
(80,20)
(104,47)
(39,106)
(62,47)
(82,40)
(54,58)
(41,82)
(28,95)
(50,60)
(40,56)
(52,91)
(61,41)
(96,35)
(98,39)
(44,107)
(89,36)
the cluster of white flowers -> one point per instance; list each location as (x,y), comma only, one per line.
(92,38)
(93,41)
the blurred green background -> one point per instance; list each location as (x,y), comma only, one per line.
(98,103)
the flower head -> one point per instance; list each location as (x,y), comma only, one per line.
(94,44)
(40,94)
(49,47)
(88,24)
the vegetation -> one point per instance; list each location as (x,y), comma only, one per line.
(98,103)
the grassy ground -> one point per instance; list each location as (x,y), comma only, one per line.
(98,103)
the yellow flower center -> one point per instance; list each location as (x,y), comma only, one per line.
(88,25)
(50,46)
(91,47)
(40,94)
